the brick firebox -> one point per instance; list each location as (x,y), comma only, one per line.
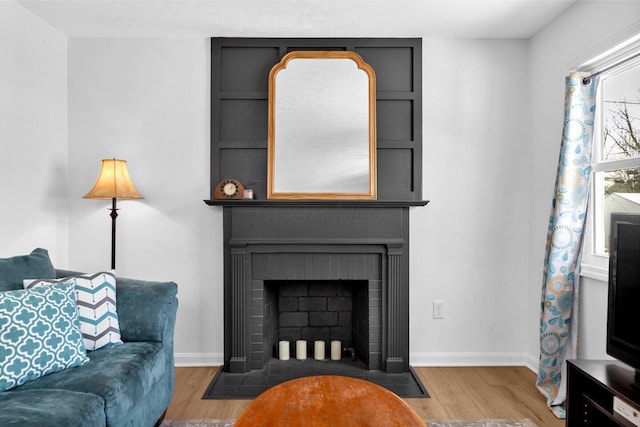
(323,310)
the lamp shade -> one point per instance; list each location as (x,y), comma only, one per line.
(113,182)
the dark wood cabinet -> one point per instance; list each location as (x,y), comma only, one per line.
(592,386)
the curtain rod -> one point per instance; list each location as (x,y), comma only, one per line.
(587,80)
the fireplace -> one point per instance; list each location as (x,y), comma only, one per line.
(312,271)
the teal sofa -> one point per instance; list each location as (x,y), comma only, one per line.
(130,384)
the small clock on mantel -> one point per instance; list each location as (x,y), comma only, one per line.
(229,189)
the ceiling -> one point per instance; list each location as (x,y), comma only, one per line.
(503,19)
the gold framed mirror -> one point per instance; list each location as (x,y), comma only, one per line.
(322,127)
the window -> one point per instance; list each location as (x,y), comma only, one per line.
(617,150)
(616,157)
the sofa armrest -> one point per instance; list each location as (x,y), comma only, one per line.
(146,310)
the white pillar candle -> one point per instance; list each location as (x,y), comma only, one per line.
(283,350)
(318,350)
(336,350)
(301,349)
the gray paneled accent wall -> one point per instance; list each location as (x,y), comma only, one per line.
(239,104)
(298,240)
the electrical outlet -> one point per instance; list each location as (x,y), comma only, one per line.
(438,309)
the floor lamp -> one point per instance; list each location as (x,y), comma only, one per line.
(113,183)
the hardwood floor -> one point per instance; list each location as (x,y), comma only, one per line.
(456,393)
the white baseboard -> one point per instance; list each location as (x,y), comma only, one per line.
(415,359)
(532,363)
(470,359)
(198,359)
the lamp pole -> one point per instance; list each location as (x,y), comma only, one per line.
(113,215)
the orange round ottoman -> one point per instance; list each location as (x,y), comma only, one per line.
(328,400)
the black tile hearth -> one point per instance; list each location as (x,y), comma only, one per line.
(226,385)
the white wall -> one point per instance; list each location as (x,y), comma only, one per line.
(33,135)
(147,101)
(469,245)
(582,32)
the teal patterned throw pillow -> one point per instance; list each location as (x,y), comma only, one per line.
(39,333)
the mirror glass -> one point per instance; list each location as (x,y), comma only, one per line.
(322,142)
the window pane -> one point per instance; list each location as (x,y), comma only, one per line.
(621,115)
(618,191)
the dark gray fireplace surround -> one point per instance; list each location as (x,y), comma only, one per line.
(346,262)
(347,247)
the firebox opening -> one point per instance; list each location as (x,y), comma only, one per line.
(317,310)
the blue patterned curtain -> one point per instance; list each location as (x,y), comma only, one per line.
(564,239)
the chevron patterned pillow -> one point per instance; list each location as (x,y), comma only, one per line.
(96,299)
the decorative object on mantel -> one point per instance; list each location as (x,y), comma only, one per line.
(113,183)
(229,189)
(523,422)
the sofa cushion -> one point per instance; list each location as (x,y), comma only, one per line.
(121,375)
(39,333)
(52,408)
(96,298)
(14,270)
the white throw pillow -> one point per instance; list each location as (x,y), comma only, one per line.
(96,301)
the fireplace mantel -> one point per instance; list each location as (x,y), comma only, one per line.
(319,203)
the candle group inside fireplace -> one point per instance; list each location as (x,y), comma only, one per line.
(319,350)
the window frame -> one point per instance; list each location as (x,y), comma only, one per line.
(593,264)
